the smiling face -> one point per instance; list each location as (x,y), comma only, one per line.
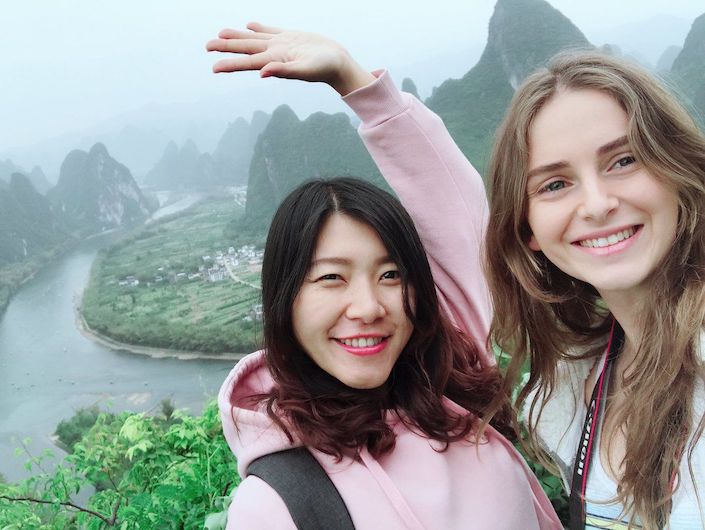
(594,210)
(349,312)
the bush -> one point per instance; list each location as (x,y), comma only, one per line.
(72,430)
(159,475)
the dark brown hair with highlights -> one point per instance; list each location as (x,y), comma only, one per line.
(316,408)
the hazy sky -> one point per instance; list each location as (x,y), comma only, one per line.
(68,65)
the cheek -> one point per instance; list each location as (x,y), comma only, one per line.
(547,225)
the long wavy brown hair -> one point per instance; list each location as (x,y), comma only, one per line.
(438,361)
(548,317)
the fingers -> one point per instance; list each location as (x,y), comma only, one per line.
(248,46)
(241,63)
(229,33)
(261,28)
(278,69)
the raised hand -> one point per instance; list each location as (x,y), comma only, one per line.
(290,55)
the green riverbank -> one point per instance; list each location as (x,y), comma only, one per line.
(178,285)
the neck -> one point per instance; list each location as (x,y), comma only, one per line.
(625,308)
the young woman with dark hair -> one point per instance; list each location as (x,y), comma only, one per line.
(596,260)
(438,360)
(363,368)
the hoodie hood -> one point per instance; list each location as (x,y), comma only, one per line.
(250,432)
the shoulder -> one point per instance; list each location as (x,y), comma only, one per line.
(257,505)
(569,387)
(558,415)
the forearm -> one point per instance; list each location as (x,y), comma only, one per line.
(441,190)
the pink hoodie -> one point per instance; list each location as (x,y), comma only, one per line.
(484,486)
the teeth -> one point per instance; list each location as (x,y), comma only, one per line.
(362,342)
(607,241)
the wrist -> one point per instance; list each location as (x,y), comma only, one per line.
(350,76)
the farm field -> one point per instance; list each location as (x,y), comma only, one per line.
(179,284)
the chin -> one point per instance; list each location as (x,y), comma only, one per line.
(365,383)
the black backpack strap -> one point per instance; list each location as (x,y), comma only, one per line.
(313,501)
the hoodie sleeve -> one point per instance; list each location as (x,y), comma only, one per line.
(441,190)
(257,505)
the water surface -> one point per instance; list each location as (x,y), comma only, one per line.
(48,369)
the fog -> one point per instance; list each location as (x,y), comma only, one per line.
(78,71)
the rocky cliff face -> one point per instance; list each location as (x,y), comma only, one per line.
(28,224)
(689,67)
(95,192)
(523,35)
(290,151)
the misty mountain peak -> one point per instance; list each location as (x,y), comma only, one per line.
(97,192)
(21,183)
(98,150)
(283,114)
(689,67)
(524,33)
(190,148)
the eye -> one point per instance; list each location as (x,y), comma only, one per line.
(391,275)
(624,161)
(329,278)
(554,185)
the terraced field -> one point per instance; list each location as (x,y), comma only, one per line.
(179,284)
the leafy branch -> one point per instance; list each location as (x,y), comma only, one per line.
(110,521)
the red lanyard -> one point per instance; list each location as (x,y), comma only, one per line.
(585,448)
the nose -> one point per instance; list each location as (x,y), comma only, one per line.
(364,303)
(597,200)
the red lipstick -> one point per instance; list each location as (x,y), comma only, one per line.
(364,351)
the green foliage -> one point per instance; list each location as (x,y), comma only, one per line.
(551,484)
(72,430)
(159,475)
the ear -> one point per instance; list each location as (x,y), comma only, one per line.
(533,244)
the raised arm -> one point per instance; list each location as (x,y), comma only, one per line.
(439,187)
(442,191)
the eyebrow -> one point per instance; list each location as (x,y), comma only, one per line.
(619,142)
(346,261)
(555,166)
(562,164)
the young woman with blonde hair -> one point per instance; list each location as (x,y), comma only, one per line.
(597,234)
